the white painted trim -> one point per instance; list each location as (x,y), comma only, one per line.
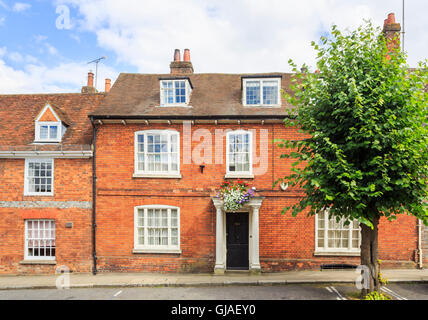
(244,92)
(49,124)
(156,249)
(44,110)
(50,154)
(154,174)
(240,174)
(26,186)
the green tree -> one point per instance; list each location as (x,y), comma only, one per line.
(365,155)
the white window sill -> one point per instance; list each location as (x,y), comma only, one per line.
(174,106)
(157,175)
(338,253)
(262,105)
(174,251)
(49,262)
(38,194)
(239,175)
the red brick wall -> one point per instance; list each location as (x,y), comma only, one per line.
(286,242)
(72,182)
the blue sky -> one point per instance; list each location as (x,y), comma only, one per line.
(38,55)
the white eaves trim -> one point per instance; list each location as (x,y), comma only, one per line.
(52,154)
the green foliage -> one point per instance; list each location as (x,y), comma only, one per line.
(366,154)
(376,296)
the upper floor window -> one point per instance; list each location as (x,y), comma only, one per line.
(38,177)
(261,92)
(157,153)
(333,236)
(157,228)
(175,92)
(239,153)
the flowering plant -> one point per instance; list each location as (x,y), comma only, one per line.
(234,195)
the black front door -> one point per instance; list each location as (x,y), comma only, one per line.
(237,241)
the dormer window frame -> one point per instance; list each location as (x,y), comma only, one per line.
(48,124)
(261,81)
(187,87)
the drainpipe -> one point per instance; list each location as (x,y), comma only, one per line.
(420,244)
(94,193)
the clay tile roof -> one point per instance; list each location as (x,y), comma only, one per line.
(19,111)
(213,95)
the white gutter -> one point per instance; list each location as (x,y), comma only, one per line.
(52,154)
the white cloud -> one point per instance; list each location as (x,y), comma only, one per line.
(2,21)
(234,36)
(39,78)
(20,6)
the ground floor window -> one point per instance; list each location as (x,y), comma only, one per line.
(333,236)
(157,227)
(40,239)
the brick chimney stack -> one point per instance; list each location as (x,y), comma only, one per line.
(90,87)
(108,85)
(391,31)
(179,67)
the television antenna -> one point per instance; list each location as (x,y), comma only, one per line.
(96,61)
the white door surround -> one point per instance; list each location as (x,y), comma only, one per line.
(252,207)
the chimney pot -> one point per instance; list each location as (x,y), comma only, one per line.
(391,18)
(177,55)
(108,85)
(186,56)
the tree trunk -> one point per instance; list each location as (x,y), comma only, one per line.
(369,257)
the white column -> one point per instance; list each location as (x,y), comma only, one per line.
(219,254)
(255,259)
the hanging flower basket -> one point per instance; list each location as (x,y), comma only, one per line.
(234,195)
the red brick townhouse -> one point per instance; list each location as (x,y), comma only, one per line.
(137,190)
(46,181)
(164,145)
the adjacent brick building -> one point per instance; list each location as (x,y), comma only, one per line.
(160,146)
(46,175)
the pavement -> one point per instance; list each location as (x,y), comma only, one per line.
(117,280)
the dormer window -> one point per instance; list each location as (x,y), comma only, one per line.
(261,92)
(175,92)
(48,131)
(48,126)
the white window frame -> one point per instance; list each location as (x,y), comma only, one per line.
(240,174)
(153,248)
(188,89)
(28,257)
(26,178)
(350,251)
(156,174)
(38,126)
(261,80)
